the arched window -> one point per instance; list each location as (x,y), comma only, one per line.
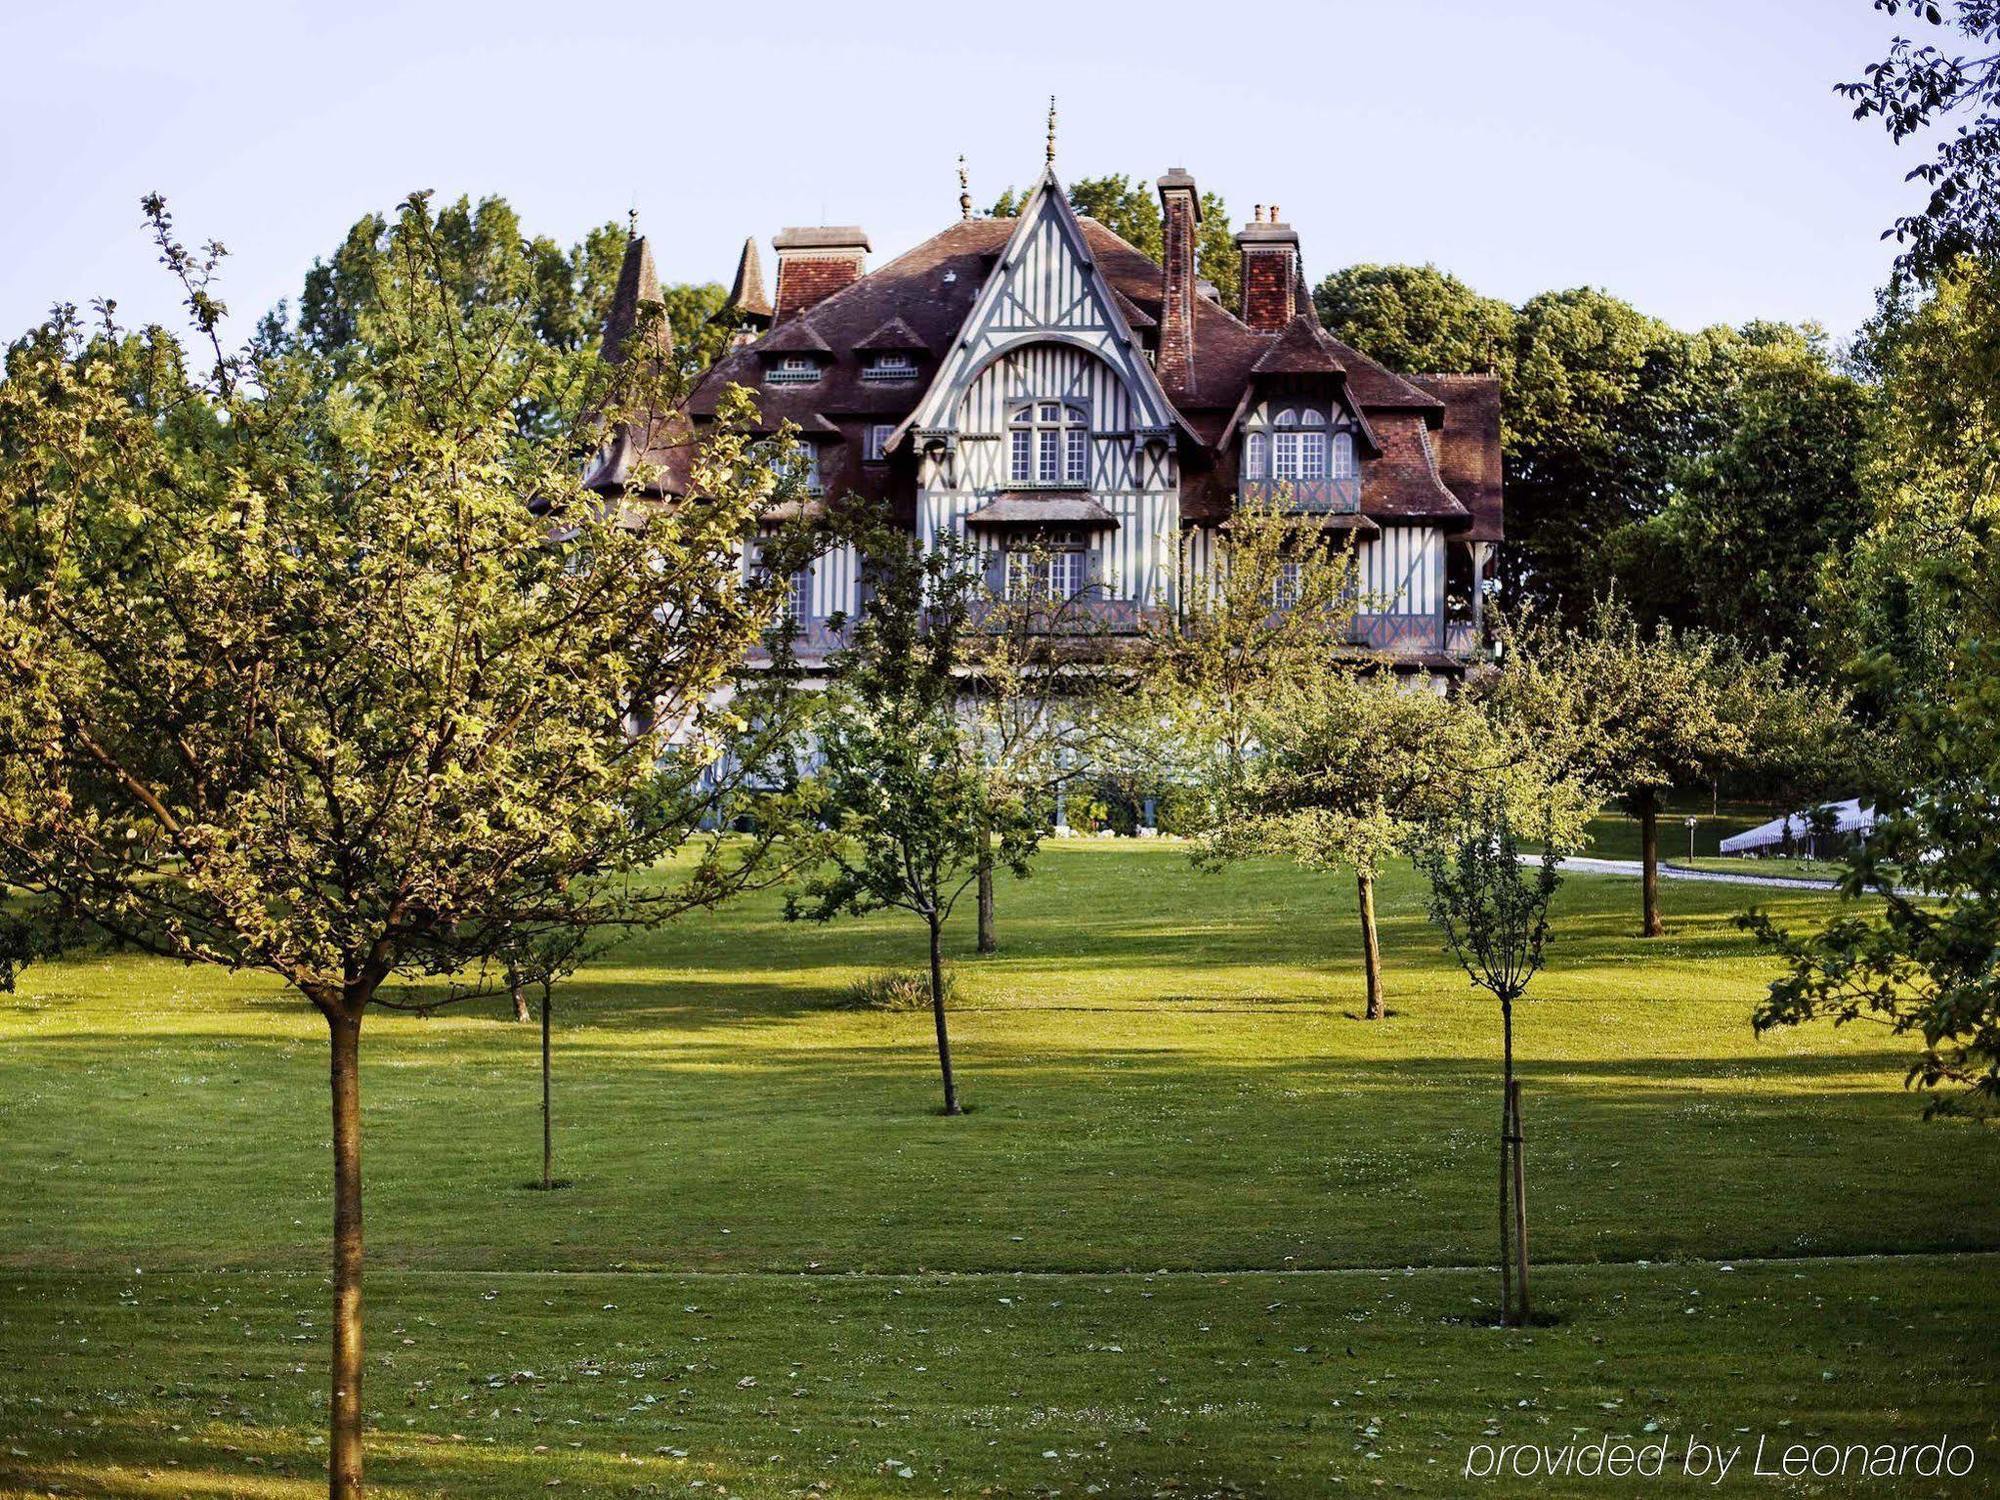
(1257,456)
(1048,443)
(1343,455)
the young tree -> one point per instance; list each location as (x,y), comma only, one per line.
(909,806)
(293,678)
(1037,683)
(1271,614)
(1348,764)
(1495,921)
(1636,713)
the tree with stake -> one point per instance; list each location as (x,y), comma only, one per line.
(1495,920)
(294,679)
(909,805)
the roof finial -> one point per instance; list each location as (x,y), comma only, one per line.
(964,190)
(1050,155)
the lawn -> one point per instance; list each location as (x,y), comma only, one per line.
(1175,1116)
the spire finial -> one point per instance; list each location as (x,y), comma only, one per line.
(632,222)
(1050,154)
(964,190)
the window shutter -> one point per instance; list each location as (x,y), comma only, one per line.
(993,567)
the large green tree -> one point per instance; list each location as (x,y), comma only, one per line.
(1419,320)
(556,295)
(1755,519)
(295,679)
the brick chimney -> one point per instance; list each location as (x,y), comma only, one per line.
(1270,251)
(813,264)
(1180,207)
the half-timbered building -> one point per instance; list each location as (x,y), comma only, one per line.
(1089,419)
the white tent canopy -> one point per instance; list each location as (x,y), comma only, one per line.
(1849,818)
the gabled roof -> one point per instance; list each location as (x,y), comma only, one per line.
(795,336)
(894,335)
(987,332)
(1301,349)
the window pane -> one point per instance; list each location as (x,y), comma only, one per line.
(1023,456)
(1050,456)
(1051,412)
(1257,456)
(1314,419)
(1312,455)
(1078,443)
(1287,466)
(1288,419)
(1343,455)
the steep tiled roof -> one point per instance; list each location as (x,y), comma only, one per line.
(1470,458)
(638,288)
(920,300)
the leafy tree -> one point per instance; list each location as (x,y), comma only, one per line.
(910,808)
(1636,712)
(1348,765)
(1037,701)
(1495,921)
(556,297)
(1930,478)
(1419,320)
(1754,521)
(1920,88)
(293,678)
(1272,613)
(1130,208)
(1923,966)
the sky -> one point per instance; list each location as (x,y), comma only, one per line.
(1690,157)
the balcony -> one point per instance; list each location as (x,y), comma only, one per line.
(1311,497)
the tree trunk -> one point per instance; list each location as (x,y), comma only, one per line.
(1506,1092)
(937,1014)
(1649,860)
(520,1001)
(988,942)
(548,1117)
(1371,945)
(344,1404)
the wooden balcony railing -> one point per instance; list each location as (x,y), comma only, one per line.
(1315,497)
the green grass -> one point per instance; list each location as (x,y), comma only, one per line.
(1166,1075)
(1614,835)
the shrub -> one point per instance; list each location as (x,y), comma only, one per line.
(895,989)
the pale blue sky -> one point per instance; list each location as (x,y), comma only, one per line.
(1688,156)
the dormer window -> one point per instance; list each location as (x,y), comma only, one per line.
(890,365)
(1048,443)
(794,369)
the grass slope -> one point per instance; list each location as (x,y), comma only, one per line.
(1166,1075)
